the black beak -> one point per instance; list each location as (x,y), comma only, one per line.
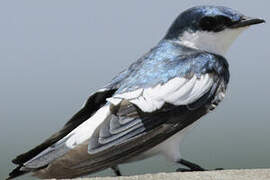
(246,21)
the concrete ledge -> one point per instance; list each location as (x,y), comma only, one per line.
(248,174)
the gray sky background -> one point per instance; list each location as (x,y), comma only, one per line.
(53,54)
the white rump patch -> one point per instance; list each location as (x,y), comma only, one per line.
(79,135)
(177,91)
(84,131)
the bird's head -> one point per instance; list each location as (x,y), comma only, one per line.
(209,28)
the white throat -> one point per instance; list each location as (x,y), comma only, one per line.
(213,42)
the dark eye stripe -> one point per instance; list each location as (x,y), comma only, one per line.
(224,20)
(216,24)
(208,23)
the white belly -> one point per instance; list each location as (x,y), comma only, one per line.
(170,148)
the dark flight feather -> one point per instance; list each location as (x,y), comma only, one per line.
(171,121)
(119,136)
(92,105)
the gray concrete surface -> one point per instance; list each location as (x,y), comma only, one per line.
(252,174)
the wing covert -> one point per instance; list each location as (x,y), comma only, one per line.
(134,113)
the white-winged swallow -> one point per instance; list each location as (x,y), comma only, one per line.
(147,108)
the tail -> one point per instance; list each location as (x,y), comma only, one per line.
(21,170)
(95,102)
(16,173)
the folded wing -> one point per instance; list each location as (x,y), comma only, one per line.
(132,110)
(52,147)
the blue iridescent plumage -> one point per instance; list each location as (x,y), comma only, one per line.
(167,61)
(121,125)
(190,19)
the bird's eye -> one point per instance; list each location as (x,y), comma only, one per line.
(208,23)
(225,21)
(215,24)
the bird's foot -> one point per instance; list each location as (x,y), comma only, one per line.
(184,170)
(192,167)
(218,169)
(192,170)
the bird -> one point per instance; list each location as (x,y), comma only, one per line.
(146,109)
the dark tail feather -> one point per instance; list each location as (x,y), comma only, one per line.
(16,172)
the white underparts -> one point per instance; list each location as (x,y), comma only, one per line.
(169,148)
(213,42)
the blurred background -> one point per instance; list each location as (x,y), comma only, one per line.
(54,54)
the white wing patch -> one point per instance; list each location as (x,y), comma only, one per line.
(79,135)
(86,129)
(177,91)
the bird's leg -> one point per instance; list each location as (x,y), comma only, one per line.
(190,165)
(116,170)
